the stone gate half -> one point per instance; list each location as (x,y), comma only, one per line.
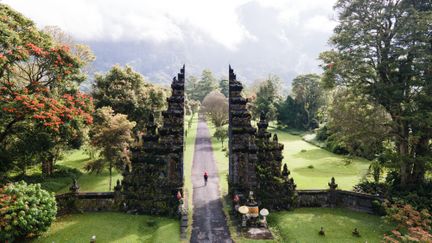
(156,175)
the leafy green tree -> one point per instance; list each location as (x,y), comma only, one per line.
(215,105)
(384,50)
(360,125)
(39,94)
(307,91)
(112,136)
(224,86)
(191,87)
(221,134)
(126,92)
(206,85)
(194,105)
(291,113)
(266,98)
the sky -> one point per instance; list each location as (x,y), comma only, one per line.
(257,37)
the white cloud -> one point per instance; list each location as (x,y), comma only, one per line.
(159,20)
(257,36)
(320,23)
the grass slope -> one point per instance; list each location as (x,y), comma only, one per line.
(187,165)
(303,225)
(299,155)
(112,227)
(306,222)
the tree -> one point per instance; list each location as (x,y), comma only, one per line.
(215,105)
(80,51)
(191,87)
(194,105)
(206,85)
(38,91)
(291,113)
(126,92)
(224,86)
(383,49)
(307,90)
(112,136)
(360,125)
(221,134)
(266,98)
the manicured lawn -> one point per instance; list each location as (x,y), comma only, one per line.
(112,227)
(303,225)
(188,155)
(88,182)
(222,161)
(71,166)
(299,155)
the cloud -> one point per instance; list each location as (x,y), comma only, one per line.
(283,37)
(136,20)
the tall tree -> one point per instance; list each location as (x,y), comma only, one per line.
(80,51)
(206,85)
(224,86)
(266,98)
(360,125)
(291,113)
(112,136)
(307,90)
(191,87)
(384,49)
(126,92)
(39,94)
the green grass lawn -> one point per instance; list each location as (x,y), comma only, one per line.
(87,182)
(222,161)
(112,227)
(187,165)
(71,166)
(303,225)
(299,155)
(188,154)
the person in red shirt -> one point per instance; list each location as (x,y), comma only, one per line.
(205,178)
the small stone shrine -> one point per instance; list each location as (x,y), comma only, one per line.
(156,177)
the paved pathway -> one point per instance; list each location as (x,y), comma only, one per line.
(209,223)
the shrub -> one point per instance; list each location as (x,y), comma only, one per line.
(412,225)
(310,166)
(25,210)
(370,187)
(303,151)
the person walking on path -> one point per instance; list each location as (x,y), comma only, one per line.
(205,178)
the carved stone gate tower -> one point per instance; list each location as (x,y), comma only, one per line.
(242,148)
(157,165)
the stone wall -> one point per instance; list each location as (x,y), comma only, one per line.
(86,202)
(337,198)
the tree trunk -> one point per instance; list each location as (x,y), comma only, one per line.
(403,150)
(419,169)
(48,166)
(110,175)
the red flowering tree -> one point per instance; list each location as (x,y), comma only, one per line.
(38,89)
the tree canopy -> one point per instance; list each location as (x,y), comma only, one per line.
(384,50)
(39,81)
